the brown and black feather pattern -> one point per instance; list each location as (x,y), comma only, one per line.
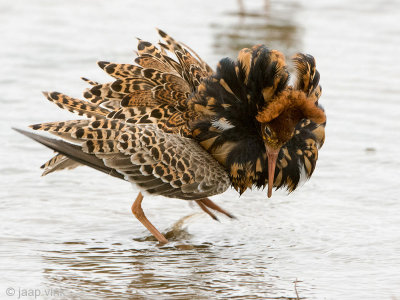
(158,162)
(153,91)
(229,102)
(178,129)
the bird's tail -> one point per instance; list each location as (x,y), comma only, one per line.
(58,162)
(71,151)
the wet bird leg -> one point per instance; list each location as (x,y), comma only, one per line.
(210,204)
(139,214)
(206,210)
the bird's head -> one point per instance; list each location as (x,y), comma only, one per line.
(279,118)
(250,114)
(280,106)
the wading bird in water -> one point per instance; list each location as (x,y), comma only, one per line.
(176,128)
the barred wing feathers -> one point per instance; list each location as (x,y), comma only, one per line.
(159,163)
(154,91)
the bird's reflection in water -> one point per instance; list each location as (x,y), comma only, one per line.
(259,22)
(89,268)
(181,269)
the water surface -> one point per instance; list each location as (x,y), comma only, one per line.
(338,235)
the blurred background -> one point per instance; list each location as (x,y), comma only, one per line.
(338,235)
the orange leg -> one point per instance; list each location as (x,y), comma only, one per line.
(206,210)
(139,214)
(205,202)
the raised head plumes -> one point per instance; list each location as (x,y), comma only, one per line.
(255,124)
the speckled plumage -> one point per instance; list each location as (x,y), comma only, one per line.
(176,128)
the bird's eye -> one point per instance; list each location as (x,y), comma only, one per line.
(267,131)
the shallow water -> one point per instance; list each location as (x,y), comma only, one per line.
(72,233)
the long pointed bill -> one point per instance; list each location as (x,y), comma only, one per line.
(272,155)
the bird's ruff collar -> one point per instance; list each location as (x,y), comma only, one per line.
(291,99)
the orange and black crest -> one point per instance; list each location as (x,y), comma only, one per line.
(244,94)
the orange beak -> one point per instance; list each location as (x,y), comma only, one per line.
(272,155)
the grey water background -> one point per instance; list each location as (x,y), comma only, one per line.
(338,235)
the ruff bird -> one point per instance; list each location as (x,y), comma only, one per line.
(176,128)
